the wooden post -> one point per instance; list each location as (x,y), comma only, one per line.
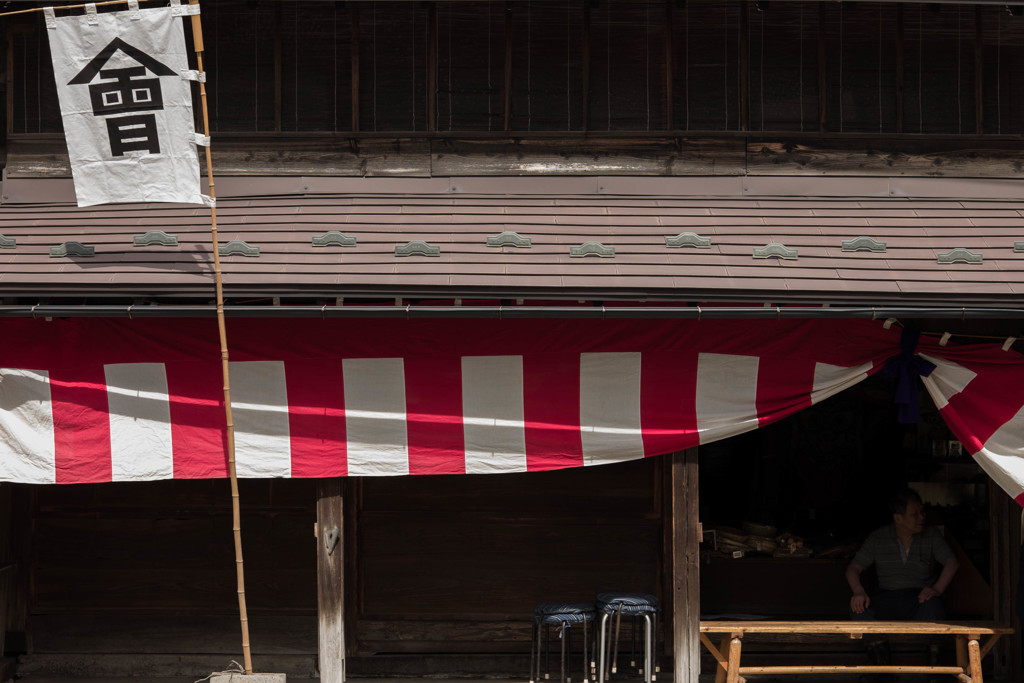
(330,579)
(685,555)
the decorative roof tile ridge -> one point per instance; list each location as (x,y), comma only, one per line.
(239,248)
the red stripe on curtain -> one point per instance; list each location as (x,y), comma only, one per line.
(81,425)
(197,419)
(433,400)
(551,411)
(668,407)
(316,418)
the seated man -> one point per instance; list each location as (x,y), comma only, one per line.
(904,554)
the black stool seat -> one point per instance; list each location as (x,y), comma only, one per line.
(627,603)
(564,612)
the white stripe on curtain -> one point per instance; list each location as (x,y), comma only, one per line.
(492,414)
(259,406)
(140,422)
(726,395)
(610,407)
(375,416)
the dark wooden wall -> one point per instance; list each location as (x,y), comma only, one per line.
(438,564)
(457,563)
(149,567)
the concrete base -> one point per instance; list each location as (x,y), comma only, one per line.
(251,678)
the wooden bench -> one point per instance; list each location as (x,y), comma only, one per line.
(969,649)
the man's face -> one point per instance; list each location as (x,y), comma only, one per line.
(911,521)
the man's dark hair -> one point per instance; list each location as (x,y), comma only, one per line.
(898,503)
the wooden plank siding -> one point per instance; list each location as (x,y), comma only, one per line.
(444,564)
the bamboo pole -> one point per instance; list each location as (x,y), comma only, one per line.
(79,6)
(197,38)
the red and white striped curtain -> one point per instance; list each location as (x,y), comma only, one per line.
(95,400)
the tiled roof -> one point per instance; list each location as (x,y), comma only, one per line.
(633,216)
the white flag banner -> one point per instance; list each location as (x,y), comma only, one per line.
(126,106)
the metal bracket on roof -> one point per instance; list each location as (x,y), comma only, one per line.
(71,249)
(417,248)
(1018,247)
(509,239)
(155,237)
(688,239)
(776,250)
(240,248)
(7,242)
(864,243)
(592,249)
(959,255)
(334,238)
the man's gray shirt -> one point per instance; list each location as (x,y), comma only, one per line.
(882,548)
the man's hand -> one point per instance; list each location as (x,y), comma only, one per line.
(927,593)
(859,602)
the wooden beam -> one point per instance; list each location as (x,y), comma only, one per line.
(979,73)
(354,63)
(432,67)
(9,77)
(900,62)
(586,65)
(822,71)
(669,68)
(744,80)
(278,66)
(330,574)
(686,567)
(507,86)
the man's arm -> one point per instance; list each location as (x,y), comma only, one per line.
(940,586)
(860,600)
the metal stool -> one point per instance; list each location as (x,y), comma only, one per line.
(562,615)
(635,606)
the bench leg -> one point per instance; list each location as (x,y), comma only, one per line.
(720,671)
(961,653)
(974,658)
(735,647)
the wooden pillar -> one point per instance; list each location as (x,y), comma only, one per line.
(685,563)
(330,579)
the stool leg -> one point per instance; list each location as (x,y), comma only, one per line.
(654,646)
(563,635)
(602,661)
(618,630)
(648,669)
(533,652)
(586,675)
